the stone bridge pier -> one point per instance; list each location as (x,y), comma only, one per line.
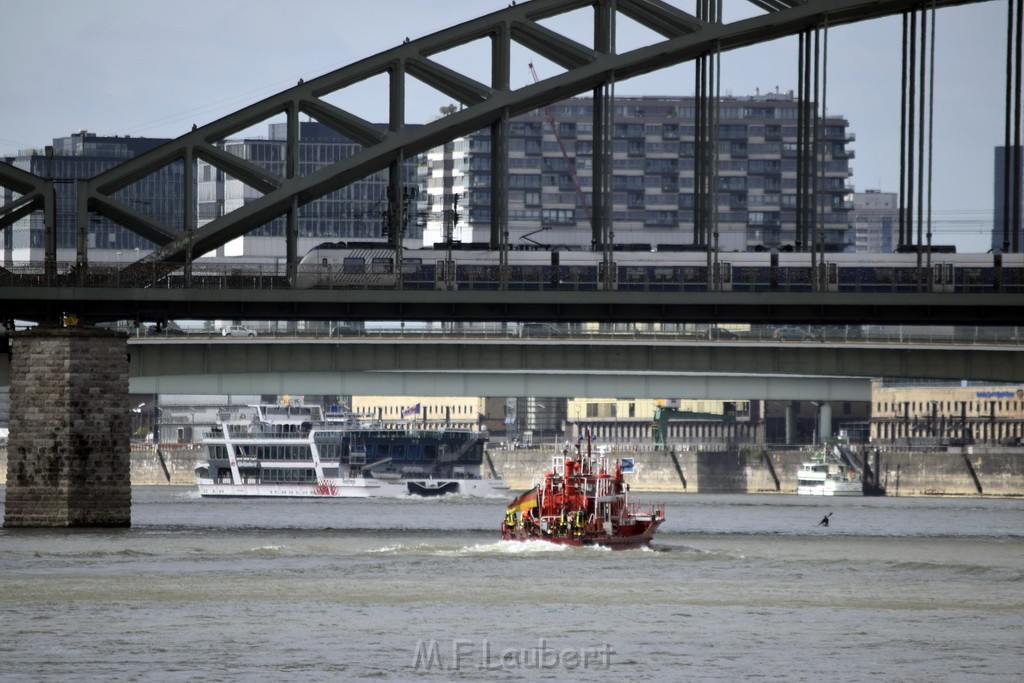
(69,451)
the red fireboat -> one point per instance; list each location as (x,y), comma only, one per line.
(583,500)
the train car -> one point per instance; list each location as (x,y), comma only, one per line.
(662,271)
(372,265)
(348,265)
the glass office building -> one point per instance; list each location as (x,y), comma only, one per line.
(354,212)
(81,156)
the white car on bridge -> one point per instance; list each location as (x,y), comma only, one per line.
(238,331)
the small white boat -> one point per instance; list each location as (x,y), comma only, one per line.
(832,471)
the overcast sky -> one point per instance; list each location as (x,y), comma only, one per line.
(128,67)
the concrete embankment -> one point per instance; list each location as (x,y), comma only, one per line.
(976,471)
(989,472)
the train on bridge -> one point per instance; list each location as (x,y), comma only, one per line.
(475,266)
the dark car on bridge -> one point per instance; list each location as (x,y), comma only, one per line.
(722,333)
(794,334)
(168,329)
(348,330)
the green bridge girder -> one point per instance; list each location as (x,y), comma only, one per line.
(571,367)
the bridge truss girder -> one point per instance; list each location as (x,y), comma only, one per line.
(483,105)
(34,193)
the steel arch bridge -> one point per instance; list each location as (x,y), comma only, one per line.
(686,37)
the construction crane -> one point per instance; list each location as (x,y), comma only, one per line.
(549,117)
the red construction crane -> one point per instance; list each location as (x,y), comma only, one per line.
(549,116)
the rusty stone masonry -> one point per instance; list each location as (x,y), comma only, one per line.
(68,460)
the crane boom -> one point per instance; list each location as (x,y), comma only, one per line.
(549,117)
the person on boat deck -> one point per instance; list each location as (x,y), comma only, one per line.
(528,519)
(510,519)
(579,522)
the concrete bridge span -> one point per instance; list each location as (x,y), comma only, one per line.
(640,368)
(564,367)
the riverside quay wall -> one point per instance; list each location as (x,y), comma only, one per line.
(997,472)
(955,472)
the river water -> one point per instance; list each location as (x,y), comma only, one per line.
(735,588)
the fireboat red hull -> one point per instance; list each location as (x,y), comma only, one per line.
(582,500)
(622,542)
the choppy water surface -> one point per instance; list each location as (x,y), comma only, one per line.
(736,587)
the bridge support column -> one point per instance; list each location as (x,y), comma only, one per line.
(825,421)
(69,456)
(791,410)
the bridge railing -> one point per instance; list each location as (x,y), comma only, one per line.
(153,275)
(541,332)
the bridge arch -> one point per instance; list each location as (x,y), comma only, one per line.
(686,37)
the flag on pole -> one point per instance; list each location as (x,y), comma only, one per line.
(525,501)
(411,410)
(627,465)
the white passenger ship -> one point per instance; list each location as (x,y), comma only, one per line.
(832,471)
(295,451)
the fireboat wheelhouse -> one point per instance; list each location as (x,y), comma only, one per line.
(583,500)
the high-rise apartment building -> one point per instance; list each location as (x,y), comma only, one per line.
(653,176)
(80,156)
(875,220)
